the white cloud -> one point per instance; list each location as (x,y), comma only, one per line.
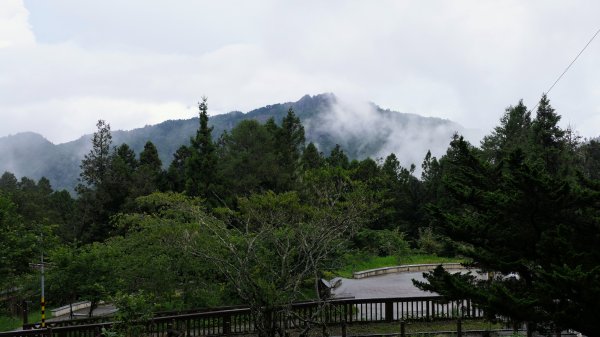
(14,26)
(463,60)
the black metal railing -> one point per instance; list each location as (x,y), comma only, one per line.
(233,320)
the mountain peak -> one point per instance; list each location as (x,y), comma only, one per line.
(328,97)
(27,137)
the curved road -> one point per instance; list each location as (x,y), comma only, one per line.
(382,286)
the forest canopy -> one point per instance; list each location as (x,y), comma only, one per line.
(524,206)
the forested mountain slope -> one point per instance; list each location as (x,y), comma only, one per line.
(362,129)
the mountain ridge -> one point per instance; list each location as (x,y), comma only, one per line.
(364,131)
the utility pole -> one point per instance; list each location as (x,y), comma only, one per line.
(43,301)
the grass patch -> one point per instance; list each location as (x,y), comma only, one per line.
(359,262)
(412,328)
(415,327)
(9,323)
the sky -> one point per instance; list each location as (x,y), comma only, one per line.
(64,64)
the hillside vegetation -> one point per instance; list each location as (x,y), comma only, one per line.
(260,214)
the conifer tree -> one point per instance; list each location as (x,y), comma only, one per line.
(548,141)
(513,132)
(120,177)
(337,158)
(202,162)
(95,164)
(289,145)
(8,182)
(248,160)
(591,159)
(148,175)
(311,157)
(149,157)
(176,171)
(127,155)
(537,232)
(95,203)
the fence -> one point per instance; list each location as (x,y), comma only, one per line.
(241,320)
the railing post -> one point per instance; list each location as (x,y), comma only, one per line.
(344,329)
(402,328)
(530,328)
(459,328)
(227,325)
(389,311)
(351,311)
(25,312)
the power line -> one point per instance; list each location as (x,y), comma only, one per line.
(569,66)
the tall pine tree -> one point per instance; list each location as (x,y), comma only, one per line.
(289,145)
(95,203)
(200,166)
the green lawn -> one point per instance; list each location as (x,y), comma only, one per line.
(8,323)
(365,262)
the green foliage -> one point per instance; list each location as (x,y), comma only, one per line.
(337,158)
(526,219)
(95,164)
(148,258)
(248,161)
(8,182)
(86,273)
(513,132)
(176,172)
(311,157)
(148,176)
(16,245)
(272,209)
(590,154)
(289,144)
(260,207)
(96,201)
(154,233)
(383,242)
(135,310)
(429,242)
(359,261)
(202,161)
(33,156)
(281,245)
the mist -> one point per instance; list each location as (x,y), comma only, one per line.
(363,128)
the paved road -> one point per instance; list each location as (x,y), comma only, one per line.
(389,285)
(101,310)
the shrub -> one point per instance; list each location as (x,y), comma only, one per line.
(429,242)
(383,242)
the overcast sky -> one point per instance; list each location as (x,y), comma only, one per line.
(64,64)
